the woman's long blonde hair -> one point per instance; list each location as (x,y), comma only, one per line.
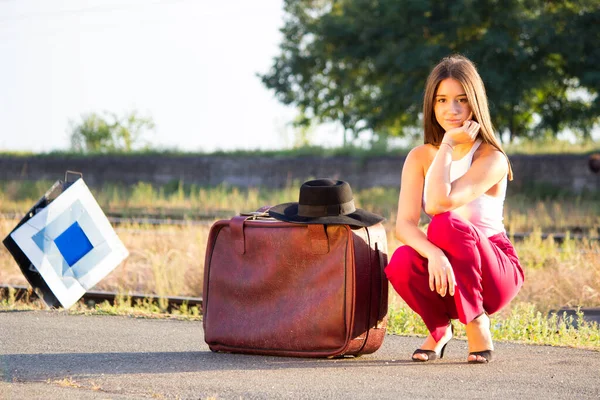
(463,70)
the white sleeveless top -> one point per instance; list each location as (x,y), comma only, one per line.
(485,212)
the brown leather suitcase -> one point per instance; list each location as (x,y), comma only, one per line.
(288,289)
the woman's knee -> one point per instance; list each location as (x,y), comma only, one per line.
(401,264)
(446,228)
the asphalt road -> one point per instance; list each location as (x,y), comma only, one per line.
(53,355)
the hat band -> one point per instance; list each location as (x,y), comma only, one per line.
(325,211)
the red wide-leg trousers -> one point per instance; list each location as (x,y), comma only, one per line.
(487,272)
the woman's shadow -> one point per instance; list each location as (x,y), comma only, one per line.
(27,367)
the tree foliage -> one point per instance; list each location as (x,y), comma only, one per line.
(364,63)
(109,132)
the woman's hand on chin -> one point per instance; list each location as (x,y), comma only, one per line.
(467,133)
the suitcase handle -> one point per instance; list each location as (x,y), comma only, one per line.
(317,234)
(318,238)
(237,227)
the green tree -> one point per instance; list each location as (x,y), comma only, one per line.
(575,104)
(108,132)
(364,63)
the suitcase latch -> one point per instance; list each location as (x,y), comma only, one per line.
(255,215)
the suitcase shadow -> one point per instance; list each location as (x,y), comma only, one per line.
(58,365)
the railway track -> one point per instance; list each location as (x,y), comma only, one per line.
(26,294)
(117,219)
(558,237)
(91,298)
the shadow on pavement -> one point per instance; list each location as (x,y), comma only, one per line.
(36,366)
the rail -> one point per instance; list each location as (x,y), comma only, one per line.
(119,219)
(25,293)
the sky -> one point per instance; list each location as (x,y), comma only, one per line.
(190,65)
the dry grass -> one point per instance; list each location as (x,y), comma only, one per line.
(524,212)
(164,260)
(555,216)
(169,260)
(560,275)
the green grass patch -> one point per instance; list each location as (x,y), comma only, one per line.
(123,306)
(537,207)
(145,308)
(551,146)
(522,324)
(521,146)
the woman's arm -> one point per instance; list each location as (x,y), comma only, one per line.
(487,169)
(409,204)
(441,276)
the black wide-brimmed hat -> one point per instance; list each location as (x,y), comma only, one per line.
(325,201)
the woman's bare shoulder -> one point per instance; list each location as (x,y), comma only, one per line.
(491,154)
(487,150)
(421,156)
(422,152)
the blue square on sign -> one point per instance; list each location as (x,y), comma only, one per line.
(73,244)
